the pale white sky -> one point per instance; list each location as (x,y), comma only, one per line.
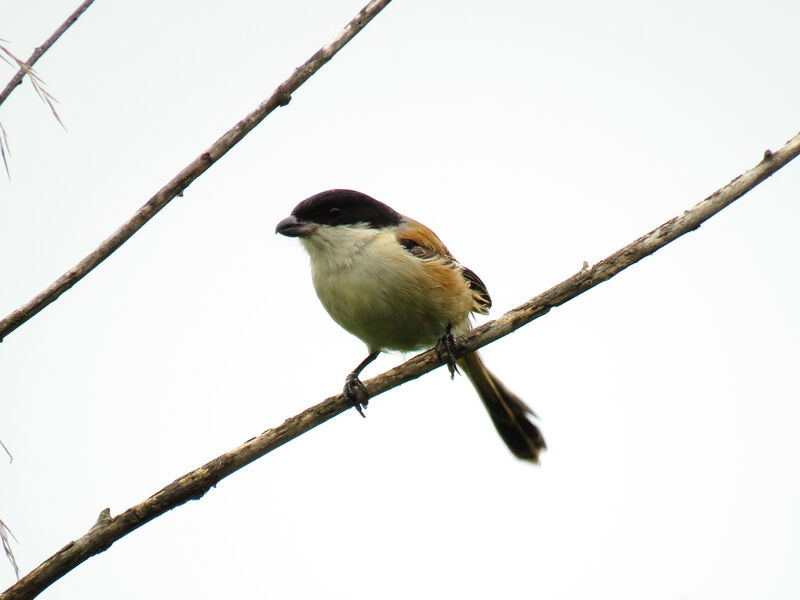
(531,136)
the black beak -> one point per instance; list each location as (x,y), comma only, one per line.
(291,227)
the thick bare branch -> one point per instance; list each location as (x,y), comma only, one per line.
(38,52)
(195,484)
(280,97)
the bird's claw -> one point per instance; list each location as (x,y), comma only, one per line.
(447,348)
(355,393)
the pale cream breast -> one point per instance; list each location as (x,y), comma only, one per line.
(381,293)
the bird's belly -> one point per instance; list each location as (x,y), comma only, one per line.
(389,308)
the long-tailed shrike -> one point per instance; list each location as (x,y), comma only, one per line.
(391,282)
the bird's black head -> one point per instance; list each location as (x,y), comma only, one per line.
(337,207)
(345,207)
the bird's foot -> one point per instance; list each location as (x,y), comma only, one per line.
(355,393)
(447,348)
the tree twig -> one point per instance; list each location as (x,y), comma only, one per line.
(38,52)
(195,484)
(5,541)
(280,97)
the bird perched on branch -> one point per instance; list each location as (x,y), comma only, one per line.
(391,282)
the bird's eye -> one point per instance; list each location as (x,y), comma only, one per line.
(334,211)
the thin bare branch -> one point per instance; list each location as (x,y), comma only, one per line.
(5,151)
(25,68)
(280,97)
(37,82)
(10,456)
(5,541)
(195,484)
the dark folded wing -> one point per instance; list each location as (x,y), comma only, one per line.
(479,290)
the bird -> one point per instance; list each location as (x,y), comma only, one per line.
(391,282)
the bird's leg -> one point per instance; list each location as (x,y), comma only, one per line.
(354,391)
(447,348)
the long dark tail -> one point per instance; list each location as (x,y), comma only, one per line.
(510,415)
